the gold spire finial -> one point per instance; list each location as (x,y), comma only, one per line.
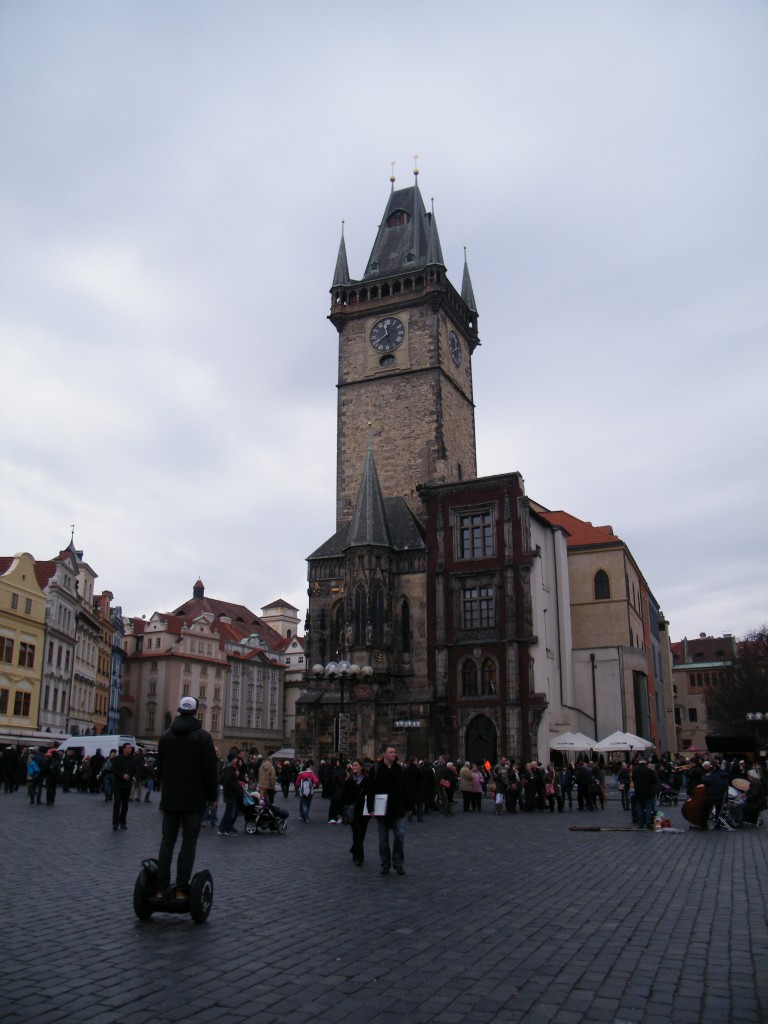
(416,165)
(392,175)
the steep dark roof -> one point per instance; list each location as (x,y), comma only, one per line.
(369,521)
(404,529)
(406,230)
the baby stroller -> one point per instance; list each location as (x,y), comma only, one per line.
(667,795)
(262,817)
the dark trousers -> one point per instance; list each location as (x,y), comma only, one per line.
(120,805)
(359,828)
(190,823)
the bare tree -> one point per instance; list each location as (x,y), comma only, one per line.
(745,688)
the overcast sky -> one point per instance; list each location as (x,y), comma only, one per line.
(173,178)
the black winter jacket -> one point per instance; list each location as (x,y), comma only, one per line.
(186,766)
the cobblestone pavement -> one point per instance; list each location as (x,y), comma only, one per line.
(498,919)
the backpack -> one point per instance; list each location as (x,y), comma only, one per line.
(33,769)
(306,788)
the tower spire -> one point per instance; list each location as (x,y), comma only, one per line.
(341,274)
(434,249)
(466,287)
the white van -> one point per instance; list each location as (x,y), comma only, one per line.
(90,744)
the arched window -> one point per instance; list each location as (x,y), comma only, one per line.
(488,676)
(405,627)
(469,679)
(361,615)
(602,586)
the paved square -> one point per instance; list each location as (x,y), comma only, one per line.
(498,920)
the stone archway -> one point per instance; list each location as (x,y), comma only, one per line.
(481,740)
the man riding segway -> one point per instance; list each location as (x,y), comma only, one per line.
(187,771)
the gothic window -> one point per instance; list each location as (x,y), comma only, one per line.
(602,586)
(361,615)
(377,615)
(405,627)
(488,676)
(469,679)
(476,535)
(478,607)
(339,643)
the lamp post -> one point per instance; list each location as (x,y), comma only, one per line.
(342,670)
(756,720)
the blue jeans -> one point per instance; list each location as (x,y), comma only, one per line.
(305,803)
(230,814)
(396,858)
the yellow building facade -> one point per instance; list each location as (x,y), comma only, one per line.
(22,644)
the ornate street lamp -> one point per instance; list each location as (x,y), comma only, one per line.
(342,670)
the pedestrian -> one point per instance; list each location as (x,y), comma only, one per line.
(285,775)
(354,799)
(715,781)
(306,784)
(107,776)
(211,816)
(232,791)
(333,786)
(10,769)
(645,785)
(97,763)
(35,776)
(52,775)
(389,781)
(266,778)
(443,784)
(417,790)
(150,775)
(466,785)
(552,791)
(186,769)
(125,767)
(478,784)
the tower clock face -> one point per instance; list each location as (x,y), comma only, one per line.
(387,334)
(455,346)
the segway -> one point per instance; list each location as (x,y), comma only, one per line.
(149,899)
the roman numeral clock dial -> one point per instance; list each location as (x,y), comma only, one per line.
(387,334)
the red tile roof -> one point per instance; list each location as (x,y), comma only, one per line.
(581,534)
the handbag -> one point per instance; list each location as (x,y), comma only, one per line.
(549,789)
(248,800)
(445,783)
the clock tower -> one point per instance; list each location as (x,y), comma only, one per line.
(406,340)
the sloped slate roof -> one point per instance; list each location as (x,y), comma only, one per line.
(404,529)
(417,237)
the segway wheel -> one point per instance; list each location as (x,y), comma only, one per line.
(251,827)
(141,894)
(201,896)
(282,826)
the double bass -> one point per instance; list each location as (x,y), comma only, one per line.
(693,807)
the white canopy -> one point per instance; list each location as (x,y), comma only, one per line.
(572,741)
(623,741)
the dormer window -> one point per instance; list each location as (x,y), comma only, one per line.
(398,218)
(409,257)
(374,264)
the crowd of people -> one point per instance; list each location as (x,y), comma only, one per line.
(440,787)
